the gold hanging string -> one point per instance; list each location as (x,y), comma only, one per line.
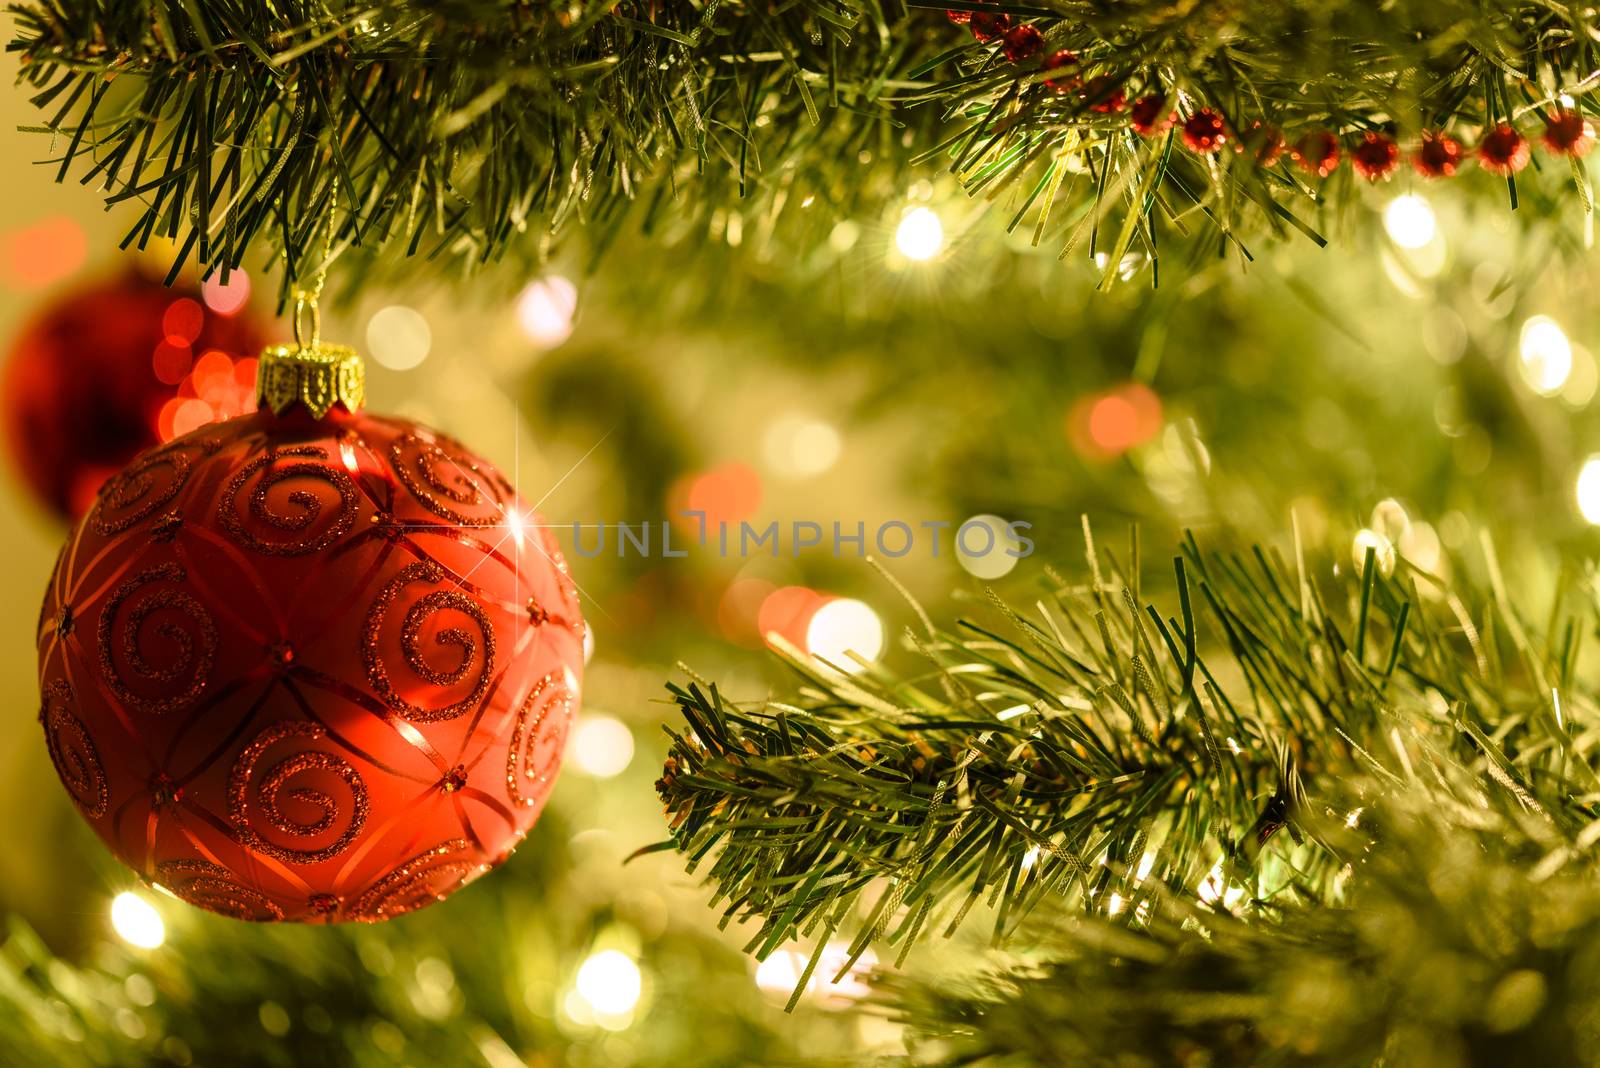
(307,315)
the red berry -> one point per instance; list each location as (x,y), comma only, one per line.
(1503,151)
(1022,42)
(1317,153)
(987,25)
(1104,95)
(1065,61)
(1264,141)
(1438,156)
(1204,131)
(1567,133)
(1150,115)
(960,18)
(1376,156)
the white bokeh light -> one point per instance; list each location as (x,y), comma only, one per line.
(984,547)
(920,235)
(780,973)
(798,446)
(1410,221)
(136,921)
(610,982)
(1588,490)
(1546,355)
(842,627)
(601,746)
(545,310)
(399,337)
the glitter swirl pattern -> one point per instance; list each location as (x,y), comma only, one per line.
(470,661)
(147,485)
(274,787)
(537,740)
(72,751)
(447,481)
(305,507)
(422,880)
(166,640)
(211,886)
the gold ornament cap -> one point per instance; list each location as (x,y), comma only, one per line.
(317,376)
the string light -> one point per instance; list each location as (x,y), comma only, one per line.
(136,921)
(1546,355)
(985,547)
(797,446)
(920,235)
(1410,221)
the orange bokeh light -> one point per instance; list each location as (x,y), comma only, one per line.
(42,254)
(787,612)
(1111,423)
(739,610)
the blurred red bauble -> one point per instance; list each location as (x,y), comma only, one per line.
(1204,131)
(1317,153)
(1022,42)
(1104,94)
(1150,115)
(1375,156)
(1438,155)
(960,18)
(1263,141)
(90,381)
(1503,151)
(986,25)
(1065,65)
(312,669)
(1567,133)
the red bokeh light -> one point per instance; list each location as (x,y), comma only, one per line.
(739,610)
(787,612)
(1111,423)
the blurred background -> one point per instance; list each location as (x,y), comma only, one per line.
(1425,382)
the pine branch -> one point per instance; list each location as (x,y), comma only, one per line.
(475,130)
(1128,763)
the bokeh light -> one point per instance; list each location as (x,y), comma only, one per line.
(546,309)
(399,337)
(781,972)
(1381,547)
(985,547)
(1588,490)
(1546,355)
(226,298)
(38,256)
(601,746)
(136,921)
(842,627)
(610,982)
(798,446)
(1410,221)
(1107,425)
(920,235)
(787,613)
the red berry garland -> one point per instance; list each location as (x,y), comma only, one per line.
(1150,115)
(1567,133)
(1438,155)
(1104,95)
(1264,141)
(1317,153)
(1376,156)
(1022,42)
(1204,131)
(1503,151)
(309,664)
(987,25)
(1066,62)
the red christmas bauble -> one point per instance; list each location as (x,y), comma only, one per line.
(145,348)
(1263,141)
(1375,156)
(1317,153)
(1204,131)
(1503,151)
(314,669)
(1022,42)
(1438,155)
(1567,133)
(987,25)
(960,18)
